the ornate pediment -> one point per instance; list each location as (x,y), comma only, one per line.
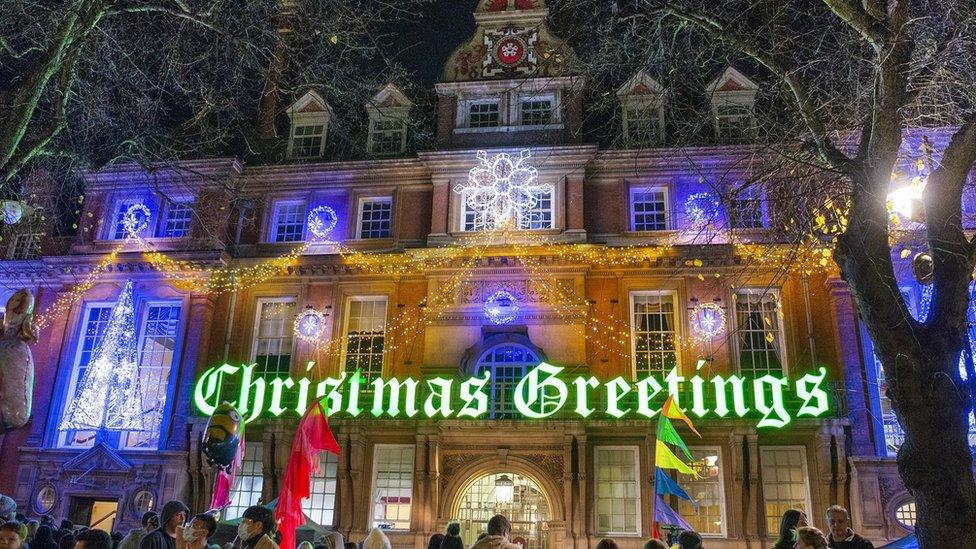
(98,459)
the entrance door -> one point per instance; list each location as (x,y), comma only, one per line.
(517,497)
(94,513)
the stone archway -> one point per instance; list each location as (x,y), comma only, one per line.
(534,506)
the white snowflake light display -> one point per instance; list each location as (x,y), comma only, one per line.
(701,209)
(707,320)
(109,397)
(310,325)
(321,221)
(502,190)
(501,307)
(136,219)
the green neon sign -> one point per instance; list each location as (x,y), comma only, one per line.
(774,401)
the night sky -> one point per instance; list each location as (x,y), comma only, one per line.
(423,42)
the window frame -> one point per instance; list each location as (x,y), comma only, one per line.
(653,104)
(360,207)
(678,325)
(346,313)
(325,459)
(635,190)
(373,131)
(240,478)
(463,210)
(114,218)
(637,482)
(272,233)
(32,248)
(554,118)
(806,480)
(295,124)
(375,471)
(780,317)
(749,194)
(74,377)
(717,450)
(258,308)
(465,118)
(719,101)
(164,219)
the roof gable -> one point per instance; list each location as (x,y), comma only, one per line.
(731,80)
(503,5)
(641,83)
(391,96)
(309,103)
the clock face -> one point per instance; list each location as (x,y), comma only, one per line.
(510,50)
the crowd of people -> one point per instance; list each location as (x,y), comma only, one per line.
(174,528)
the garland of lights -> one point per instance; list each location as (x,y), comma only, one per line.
(310,325)
(707,320)
(502,190)
(321,221)
(135,220)
(501,307)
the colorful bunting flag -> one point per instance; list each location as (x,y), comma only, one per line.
(665,459)
(671,410)
(664,485)
(667,433)
(664,514)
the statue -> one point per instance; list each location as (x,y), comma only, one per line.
(16,361)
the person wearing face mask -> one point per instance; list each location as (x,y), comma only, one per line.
(257,528)
(173,516)
(196,534)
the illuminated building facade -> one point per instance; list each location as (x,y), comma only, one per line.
(409,283)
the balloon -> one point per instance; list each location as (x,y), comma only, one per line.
(16,361)
(923,268)
(222,436)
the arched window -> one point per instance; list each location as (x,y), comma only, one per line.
(508,363)
(905,515)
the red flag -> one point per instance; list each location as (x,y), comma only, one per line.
(312,436)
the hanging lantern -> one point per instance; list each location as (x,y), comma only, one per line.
(504,489)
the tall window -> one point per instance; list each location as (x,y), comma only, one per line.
(93,324)
(307,141)
(746,210)
(539,217)
(537,111)
(26,246)
(649,209)
(365,336)
(734,121)
(157,339)
(178,216)
(250,480)
(392,485)
(617,490)
(387,136)
(288,223)
(118,229)
(760,334)
(157,349)
(483,114)
(653,332)
(784,482)
(508,364)
(273,336)
(707,490)
(375,217)
(321,506)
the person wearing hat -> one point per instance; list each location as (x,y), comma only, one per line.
(257,528)
(8,509)
(150,522)
(173,516)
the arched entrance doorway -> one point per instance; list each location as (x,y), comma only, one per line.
(516,496)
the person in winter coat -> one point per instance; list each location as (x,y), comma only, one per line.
(150,522)
(196,534)
(452,538)
(376,540)
(498,530)
(792,519)
(257,528)
(689,540)
(808,537)
(173,516)
(44,539)
(842,536)
(435,541)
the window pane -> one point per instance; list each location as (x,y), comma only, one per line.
(706,490)
(536,112)
(483,115)
(94,323)
(375,218)
(649,210)
(250,481)
(178,218)
(119,231)
(617,490)
(307,141)
(508,364)
(392,486)
(745,212)
(759,334)
(365,337)
(26,246)
(273,343)
(321,506)
(655,335)
(289,222)
(388,136)
(643,123)
(157,349)
(539,217)
(784,473)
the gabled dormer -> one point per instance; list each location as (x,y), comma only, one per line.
(388,111)
(310,116)
(733,99)
(642,109)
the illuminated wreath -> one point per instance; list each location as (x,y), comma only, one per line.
(707,320)
(321,221)
(310,325)
(701,209)
(135,220)
(501,307)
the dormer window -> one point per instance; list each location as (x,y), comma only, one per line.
(310,117)
(484,113)
(642,109)
(733,99)
(538,111)
(388,112)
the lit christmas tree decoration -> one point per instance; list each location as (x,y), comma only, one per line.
(501,307)
(109,397)
(502,190)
